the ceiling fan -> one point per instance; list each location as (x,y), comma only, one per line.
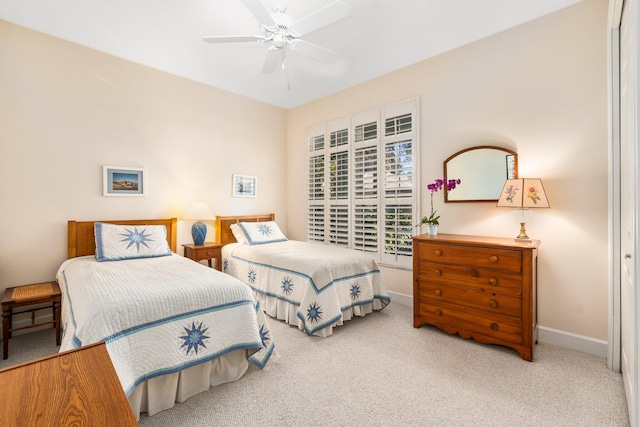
(281,31)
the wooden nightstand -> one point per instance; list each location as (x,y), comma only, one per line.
(207,251)
(21,296)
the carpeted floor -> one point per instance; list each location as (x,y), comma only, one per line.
(380,371)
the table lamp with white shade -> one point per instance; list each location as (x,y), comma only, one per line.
(523,194)
(200,211)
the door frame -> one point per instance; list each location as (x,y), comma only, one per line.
(613,70)
(615,203)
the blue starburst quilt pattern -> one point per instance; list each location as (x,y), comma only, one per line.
(194,338)
(287,285)
(314,313)
(135,237)
(355,291)
(252,275)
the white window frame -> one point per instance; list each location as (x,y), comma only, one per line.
(368,218)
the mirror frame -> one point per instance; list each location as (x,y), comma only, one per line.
(466,150)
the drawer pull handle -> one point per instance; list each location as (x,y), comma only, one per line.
(438,312)
(493,303)
(493,281)
(493,259)
(438,292)
(438,272)
(494,326)
(208,253)
(438,252)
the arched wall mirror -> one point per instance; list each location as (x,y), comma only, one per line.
(482,171)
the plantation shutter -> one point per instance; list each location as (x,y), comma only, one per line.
(316,224)
(316,185)
(400,177)
(366,183)
(339,225)
(361,182)
(365,226)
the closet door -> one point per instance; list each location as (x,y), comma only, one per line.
(628,203)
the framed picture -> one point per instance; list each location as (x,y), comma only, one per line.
(122,181)
(245,186)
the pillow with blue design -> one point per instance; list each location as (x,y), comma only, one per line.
(258,233)
(119,242)
(238,234)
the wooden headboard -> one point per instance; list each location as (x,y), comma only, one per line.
(81,240)
(223,232)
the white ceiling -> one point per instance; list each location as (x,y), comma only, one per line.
(378,36)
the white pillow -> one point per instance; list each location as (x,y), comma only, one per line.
(118,242)
(238,234)
(259,233)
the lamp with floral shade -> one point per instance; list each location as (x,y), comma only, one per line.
(523,194)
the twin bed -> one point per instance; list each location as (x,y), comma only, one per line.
(312,286)
(174,328)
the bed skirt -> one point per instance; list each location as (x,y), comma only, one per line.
(160,393)
(283,310)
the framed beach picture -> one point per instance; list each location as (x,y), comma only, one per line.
(122,181)
(244,186)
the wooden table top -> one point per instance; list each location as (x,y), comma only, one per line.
(78,387)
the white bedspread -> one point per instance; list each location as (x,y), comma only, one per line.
(322,282)
(159,315)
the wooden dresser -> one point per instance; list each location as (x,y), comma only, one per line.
(478,287)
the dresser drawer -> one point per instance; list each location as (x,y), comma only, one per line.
(490,280)
(494,258)
(491,302)
(472,321)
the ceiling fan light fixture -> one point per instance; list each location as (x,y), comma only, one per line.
(281,30)
(279,40)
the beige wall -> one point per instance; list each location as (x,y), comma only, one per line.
(539,89)
(66,110)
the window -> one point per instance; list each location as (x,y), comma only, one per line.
(397,125)
(340,137)
(365,198)
(365,173)
(339,175)
(366,131)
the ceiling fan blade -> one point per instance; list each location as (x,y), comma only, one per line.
(320,18)
(232,39)
(273,60)
(314,51)
(262,15)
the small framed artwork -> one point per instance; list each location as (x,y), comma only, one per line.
(245,186)
(122,181)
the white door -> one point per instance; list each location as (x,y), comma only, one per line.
(628,202)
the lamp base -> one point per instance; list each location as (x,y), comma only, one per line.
(522,237)
(199,232)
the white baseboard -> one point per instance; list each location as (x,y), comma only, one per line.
(571,341)
(564,339)
(401,299)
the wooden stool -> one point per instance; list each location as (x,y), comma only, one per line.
(20,296)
